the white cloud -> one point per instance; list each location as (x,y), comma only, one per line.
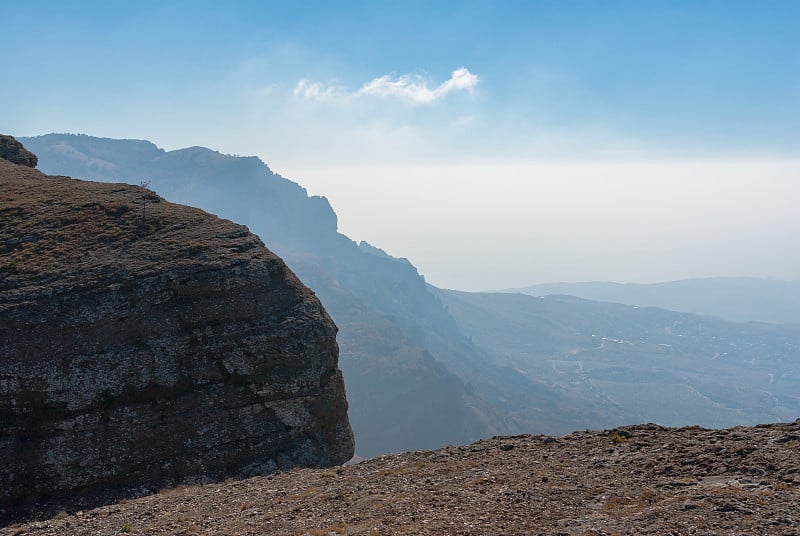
(316,91)
(405,87)
(416,88)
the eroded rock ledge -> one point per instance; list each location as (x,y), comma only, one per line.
(145,344)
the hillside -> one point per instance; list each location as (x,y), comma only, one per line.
(643,480)
(738,299)
(639,364)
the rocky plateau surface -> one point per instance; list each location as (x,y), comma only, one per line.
(643,479)
(145,344)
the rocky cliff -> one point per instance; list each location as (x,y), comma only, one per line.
(145,344)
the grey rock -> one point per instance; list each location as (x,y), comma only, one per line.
(13,151)
(144,350)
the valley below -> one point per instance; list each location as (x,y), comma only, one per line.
(634,364)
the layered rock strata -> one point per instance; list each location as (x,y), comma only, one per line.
(145,344)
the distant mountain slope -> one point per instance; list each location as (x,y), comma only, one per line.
(640,364)
(403,358)
(740,299)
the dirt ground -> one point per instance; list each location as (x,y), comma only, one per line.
(633,480)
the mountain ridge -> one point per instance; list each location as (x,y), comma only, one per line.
(739,299)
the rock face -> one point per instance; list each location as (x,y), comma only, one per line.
(145,344)
(13,151)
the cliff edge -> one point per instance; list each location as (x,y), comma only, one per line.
(145,344)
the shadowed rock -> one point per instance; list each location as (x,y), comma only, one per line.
(13,151)
(145,344)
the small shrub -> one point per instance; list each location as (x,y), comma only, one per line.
(328,531)
(10,266)
(646,497)
(792,444)
(620,436)
(116,209)
(617,503)
(388,472)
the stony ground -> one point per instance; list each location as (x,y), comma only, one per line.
(633,480)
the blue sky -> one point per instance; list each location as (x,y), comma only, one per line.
(378,89)
(638,79)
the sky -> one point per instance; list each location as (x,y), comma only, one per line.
(493,144)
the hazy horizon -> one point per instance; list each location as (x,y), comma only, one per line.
(561,223)
(493,144)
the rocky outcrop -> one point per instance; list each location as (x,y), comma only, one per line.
(13,151)
(145,344)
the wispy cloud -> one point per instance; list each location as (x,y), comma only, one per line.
(317,91)
(411,88)
(415,88)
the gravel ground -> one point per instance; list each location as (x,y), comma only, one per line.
(632,480)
